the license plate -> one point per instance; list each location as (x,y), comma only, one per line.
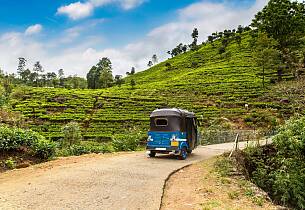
(161,149)
(174,143)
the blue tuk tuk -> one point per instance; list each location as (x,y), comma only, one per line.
(172,131)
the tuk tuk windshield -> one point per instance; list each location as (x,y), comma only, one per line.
(165,124)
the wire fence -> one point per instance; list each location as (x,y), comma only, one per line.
(219,136)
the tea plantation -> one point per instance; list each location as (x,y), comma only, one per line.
(213,85)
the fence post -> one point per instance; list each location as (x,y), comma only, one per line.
(235,145)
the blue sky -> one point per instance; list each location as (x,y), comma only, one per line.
(73,34)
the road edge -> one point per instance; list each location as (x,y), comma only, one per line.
(166,180)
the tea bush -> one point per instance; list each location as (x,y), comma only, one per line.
(14,139)
(126,142)
(84,148)
(280,169)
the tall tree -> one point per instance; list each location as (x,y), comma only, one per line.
(266,55)
(154,59)
(37,70)
(284,20)
(118,79)
(21,68)
(61,76)
(133,71)
(93,78)
(100,76)
(195,35)
(104,67)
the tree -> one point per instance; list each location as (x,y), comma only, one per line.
(25,76)
(154,59)
(118,80)
(104,66)
(266,55)
(240,29)
(211,39)
(21,68)
(132,83)
(61,75)
(100,76)
(37,70)
(133,71)
(150,64)
(93,78)
(195,35)
(75,82)
(283,20)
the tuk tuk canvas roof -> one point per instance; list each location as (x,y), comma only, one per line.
(172,112)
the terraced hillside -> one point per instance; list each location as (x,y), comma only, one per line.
(212,85)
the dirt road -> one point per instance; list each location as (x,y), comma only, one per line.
(114,181)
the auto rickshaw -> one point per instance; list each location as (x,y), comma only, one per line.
(172,131)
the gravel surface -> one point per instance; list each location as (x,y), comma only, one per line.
(113,181)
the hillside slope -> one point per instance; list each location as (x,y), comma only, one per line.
(212,85)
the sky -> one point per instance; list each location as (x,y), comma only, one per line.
(74,34)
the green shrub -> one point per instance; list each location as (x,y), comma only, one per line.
(279,169)
(13,139)
(10,163)
(72,134)
(85,148)
(126,142)
(44,149)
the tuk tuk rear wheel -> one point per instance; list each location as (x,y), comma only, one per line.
(183,154)
(152,154)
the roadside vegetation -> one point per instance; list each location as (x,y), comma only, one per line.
(279,168)
(241,78)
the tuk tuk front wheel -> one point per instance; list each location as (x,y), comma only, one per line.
(183,154)
(152,154)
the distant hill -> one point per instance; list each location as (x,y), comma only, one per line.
(213,85)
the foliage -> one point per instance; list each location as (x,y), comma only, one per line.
(224,166)
(202,81)
(283,20)
(279,169)
(132,83)
(100,75)
(10,163)
(266,55)
(14,139)
(72,134)
(125,142)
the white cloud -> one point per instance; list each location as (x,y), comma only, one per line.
(76,10)
(34,29)
(207,17)
(79,10)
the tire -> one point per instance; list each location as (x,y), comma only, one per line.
(183,154)
(152,154)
